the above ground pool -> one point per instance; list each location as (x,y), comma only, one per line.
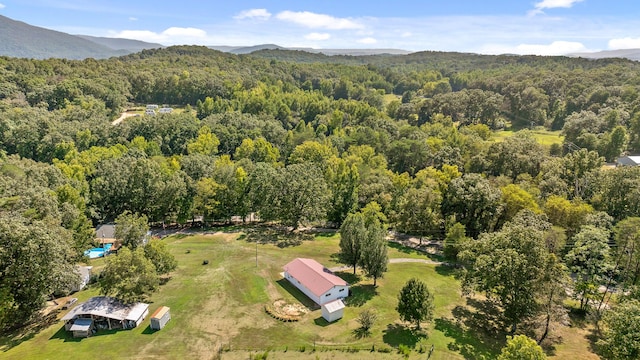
(98,252)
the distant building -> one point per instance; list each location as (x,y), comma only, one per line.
(106,233)
(104,312)
(165,110)
(628,161)
(315,281)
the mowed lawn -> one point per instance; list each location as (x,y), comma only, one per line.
(218,308)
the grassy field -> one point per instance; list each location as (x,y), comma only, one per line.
(218,309)
(542,136)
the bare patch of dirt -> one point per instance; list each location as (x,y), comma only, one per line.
(289,309)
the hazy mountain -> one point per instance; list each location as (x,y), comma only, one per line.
(122,44)
(19,39)
(631,54)
(329,52)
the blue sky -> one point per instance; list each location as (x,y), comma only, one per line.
(545,27)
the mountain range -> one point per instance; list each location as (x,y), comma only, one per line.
(19,39)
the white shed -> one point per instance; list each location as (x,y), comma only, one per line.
(333,311)
(160,318)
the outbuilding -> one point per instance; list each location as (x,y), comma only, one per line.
(105,313)
(333,311)
(160,318)
(82,328)
(315,281)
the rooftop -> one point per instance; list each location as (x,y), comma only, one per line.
(160,312)
(106,231)
(315,277)
(334,306)
(108,307)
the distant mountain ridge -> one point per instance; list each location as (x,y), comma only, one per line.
(329,52)
(631,54)
(122,44)
(19,39)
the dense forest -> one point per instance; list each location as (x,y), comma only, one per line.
(306,139)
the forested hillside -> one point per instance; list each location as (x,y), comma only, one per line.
(306,139)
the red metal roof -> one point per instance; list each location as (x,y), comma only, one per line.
(315,277)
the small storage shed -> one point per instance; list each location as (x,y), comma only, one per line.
(160,318)
(333,311)
(82,327)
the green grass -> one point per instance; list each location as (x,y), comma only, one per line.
(221,306)
(542,136)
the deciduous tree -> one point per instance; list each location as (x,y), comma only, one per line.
(415,302)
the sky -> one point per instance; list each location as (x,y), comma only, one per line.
(542,27)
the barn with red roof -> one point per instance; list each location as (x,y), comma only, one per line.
(315,281)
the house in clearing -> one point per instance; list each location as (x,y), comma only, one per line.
(104,312)
(315,281)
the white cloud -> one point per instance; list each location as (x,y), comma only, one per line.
(318,36)
(259,14)
(133,18)
(406,34)
(554,48)
(552,4)
(367,41)
(624,43)
(318,21)
(172,35)
(2,6)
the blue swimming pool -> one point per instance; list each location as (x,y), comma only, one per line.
(98,252)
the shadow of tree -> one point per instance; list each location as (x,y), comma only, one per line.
(477,329)
(361,333)
(279,237)
(349,277)
(17,336)
(397,334)
(360,294)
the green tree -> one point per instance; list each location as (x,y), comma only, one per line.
(30,274)
(344,181)
(157,252)
(352,236)
(506,267)
(129,276)
(415,302)
(590,260)
(627,250)
(621,336)
(374,256)
(521,347)
(419,211)
(453,240)
(474,202)
(206,143)
(367,319)
(131,229)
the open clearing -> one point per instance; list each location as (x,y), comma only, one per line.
(542,136)
(220,307)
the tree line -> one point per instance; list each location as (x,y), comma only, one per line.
(321,143)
